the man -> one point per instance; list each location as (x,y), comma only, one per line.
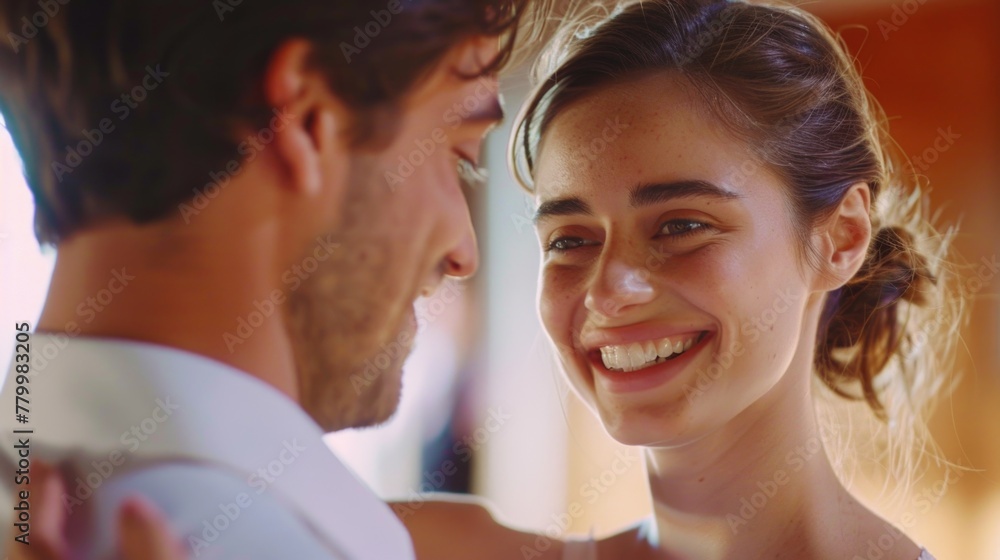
(246,199)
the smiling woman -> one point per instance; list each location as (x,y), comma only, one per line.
(749,242)
(728,237)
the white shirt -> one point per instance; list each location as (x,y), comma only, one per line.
(239,468)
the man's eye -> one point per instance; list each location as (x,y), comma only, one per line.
(683,228)
(469,173)
(563,244)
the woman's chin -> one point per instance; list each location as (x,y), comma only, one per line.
(649,428)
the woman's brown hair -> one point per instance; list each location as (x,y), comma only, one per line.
(782,82)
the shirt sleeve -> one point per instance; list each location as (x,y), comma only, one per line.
(212,511)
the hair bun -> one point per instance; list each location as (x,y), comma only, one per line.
(861,328)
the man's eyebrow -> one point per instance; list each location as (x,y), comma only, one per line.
(571,206)
(655,193)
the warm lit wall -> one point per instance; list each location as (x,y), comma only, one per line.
(937,72)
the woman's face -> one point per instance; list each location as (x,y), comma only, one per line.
(670,280)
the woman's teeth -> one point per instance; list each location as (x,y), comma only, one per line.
(639,355)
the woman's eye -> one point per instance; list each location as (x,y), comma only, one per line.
(681,228)
(563,244)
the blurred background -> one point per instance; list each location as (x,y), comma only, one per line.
(485,410)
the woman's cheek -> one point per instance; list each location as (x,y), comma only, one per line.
(554,303)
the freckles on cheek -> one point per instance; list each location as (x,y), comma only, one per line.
(711,271)
(730,284)
(560,280)
(558,303)
(555,302)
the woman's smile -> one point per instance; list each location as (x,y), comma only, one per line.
(641,366)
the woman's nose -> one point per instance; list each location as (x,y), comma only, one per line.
(618,286)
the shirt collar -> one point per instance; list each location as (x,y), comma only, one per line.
(154,402)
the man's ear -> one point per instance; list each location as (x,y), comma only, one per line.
(307,117)
(843,238)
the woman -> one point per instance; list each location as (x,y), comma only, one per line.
(720,218)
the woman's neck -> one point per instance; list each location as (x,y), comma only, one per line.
(750,488)
(761,486)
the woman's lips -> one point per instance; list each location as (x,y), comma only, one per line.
(648,377)
(638,355)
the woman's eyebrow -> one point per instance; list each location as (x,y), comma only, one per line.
(569,206)
(655,193)
(640,195)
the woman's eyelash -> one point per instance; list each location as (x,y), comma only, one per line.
(698,227)
(554,244)
(693,227)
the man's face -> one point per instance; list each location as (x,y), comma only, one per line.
(405,226)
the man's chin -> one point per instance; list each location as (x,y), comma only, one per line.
(380,411)
(374,420)
(372,406)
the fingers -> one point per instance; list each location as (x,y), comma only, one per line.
(49,515)
(144,533)
(46,540)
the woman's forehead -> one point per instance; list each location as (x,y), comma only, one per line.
(648,130)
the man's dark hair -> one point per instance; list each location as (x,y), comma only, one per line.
(123,108)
